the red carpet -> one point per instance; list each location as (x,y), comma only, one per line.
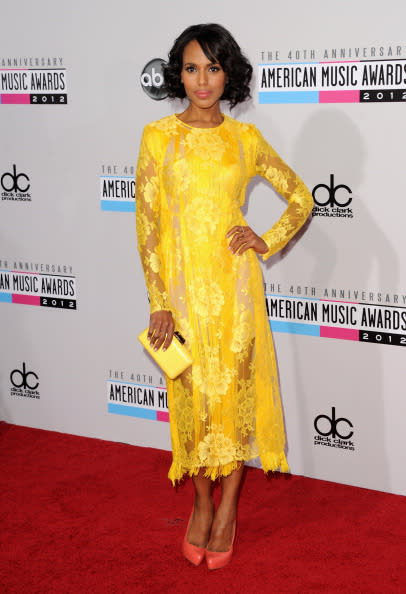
(85,515)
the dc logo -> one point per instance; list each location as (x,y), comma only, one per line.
(332,425)
(20,379)
(10,182)
(330,195)
(152,79)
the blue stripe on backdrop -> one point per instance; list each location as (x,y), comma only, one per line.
(294,328)
(131,411)
(124,206)
(288,97)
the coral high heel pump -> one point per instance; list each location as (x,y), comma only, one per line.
(193,553)
(218,559)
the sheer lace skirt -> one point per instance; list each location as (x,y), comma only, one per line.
(226,408)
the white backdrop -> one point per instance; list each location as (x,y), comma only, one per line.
(72,295)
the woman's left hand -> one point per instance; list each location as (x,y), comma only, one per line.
(244,238)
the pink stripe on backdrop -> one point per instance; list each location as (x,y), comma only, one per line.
(26,299)
(343,333)
(16,98)
(338,96)
(162,416)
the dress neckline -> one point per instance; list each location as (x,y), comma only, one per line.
(176,116)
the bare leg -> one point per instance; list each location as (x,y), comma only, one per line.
(222,528)
(204,510)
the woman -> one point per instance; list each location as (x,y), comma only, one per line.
(204,279)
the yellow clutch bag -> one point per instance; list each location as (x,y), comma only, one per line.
(174,360)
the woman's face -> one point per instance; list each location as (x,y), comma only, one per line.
(204,81)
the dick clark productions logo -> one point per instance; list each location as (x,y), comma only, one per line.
(332,200)
(152,79)
(15,185)
(333,432)
(24,382)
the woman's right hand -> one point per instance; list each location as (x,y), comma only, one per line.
(161,329)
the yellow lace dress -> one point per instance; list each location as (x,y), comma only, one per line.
(191,185)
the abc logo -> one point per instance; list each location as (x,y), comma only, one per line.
(20,379)
(331,424)
(10,182)
(152,79)
(330,196)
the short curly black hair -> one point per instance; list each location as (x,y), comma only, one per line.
(219,46)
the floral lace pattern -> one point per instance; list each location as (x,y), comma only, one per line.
(191,182)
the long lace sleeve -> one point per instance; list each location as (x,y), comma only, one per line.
(147,222)
(285,181)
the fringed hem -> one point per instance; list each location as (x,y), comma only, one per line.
(273,462)
(270,462)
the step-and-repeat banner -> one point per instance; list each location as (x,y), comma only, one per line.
(77,84)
